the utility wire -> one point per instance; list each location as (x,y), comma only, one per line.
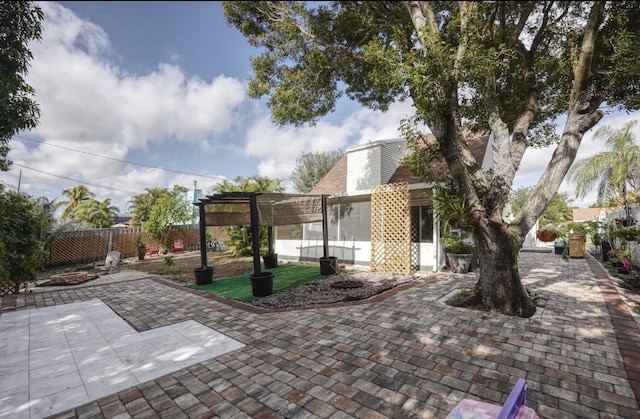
(75,180)
(119,160)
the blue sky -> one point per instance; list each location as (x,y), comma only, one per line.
(163,84)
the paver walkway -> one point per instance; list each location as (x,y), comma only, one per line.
(406,356)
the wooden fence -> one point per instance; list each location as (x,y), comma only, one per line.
(93,245)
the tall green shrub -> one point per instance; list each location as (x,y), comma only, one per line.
(21,246)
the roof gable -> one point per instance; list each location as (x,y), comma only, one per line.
(335,181)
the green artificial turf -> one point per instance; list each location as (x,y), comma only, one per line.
(285,277)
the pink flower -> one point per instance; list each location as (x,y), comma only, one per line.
(626,264)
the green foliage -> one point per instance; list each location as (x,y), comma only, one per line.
(557,212)
(99,214)
(450,207)
(457,244)
(21,246)
(615,171)
(240,237)
(311,167)
(169,209)
(20,23)
(74,196)
(140,245)
(142,204)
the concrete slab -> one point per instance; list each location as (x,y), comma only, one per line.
(59,357)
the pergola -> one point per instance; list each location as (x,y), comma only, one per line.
(261,209)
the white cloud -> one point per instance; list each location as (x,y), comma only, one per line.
(278,148)
(90,103)
(535,161)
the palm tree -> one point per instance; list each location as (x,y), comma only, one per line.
(104,214)
(99,213)
(75,195)
(617,170)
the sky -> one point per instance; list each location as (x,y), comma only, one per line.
(137,95)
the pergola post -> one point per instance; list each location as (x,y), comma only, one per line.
(203,235)
(255,232)
(325,228)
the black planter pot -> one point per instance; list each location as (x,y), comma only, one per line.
(262,284)
(270,261)
(329,266)
(605,247)
(141,255)
(204,276)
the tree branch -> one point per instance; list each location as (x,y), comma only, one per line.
(522,21)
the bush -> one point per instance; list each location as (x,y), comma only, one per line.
(21,248)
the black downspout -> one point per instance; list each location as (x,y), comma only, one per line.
(325,228)
(255,232)
(203,235)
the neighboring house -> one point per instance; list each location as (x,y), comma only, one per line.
(369,173)
(586,215)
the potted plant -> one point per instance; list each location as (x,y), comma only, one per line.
(459,252)
(548,234)
(142,248)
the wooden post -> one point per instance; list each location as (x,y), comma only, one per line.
(203,235)
(255,232)
(325,228)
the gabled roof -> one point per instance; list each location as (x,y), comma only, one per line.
(335,181)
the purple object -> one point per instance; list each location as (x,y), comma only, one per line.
(516,399)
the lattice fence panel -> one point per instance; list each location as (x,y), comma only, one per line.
(79,247)
(391,228)
(93,245)
(7,287)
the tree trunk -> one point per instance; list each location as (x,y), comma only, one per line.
(499,288)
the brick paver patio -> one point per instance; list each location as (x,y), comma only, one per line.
(406,355)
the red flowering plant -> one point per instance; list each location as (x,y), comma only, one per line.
(626,264)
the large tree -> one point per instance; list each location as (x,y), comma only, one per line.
(506,67)
(616,171)
(311,167)
(20,23)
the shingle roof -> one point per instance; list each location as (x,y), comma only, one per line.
(335,181)
(581,215)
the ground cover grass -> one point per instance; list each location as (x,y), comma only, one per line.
(285,277)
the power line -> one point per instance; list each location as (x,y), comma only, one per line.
(118,160)
(75,180)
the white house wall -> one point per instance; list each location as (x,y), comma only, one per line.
(363,169)
(391,154)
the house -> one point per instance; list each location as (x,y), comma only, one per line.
(586,215)
(379,213)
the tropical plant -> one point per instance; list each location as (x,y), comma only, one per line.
(616,171)
(507,67)
(167,211)
(455,243)
(21,246)
(240,237)
(311,167)
(99,214)
(74,196)
(142,204)
(20,24)
(450,208)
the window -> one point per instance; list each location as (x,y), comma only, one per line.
(422,224)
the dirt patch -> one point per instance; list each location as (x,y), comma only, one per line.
(325,291)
